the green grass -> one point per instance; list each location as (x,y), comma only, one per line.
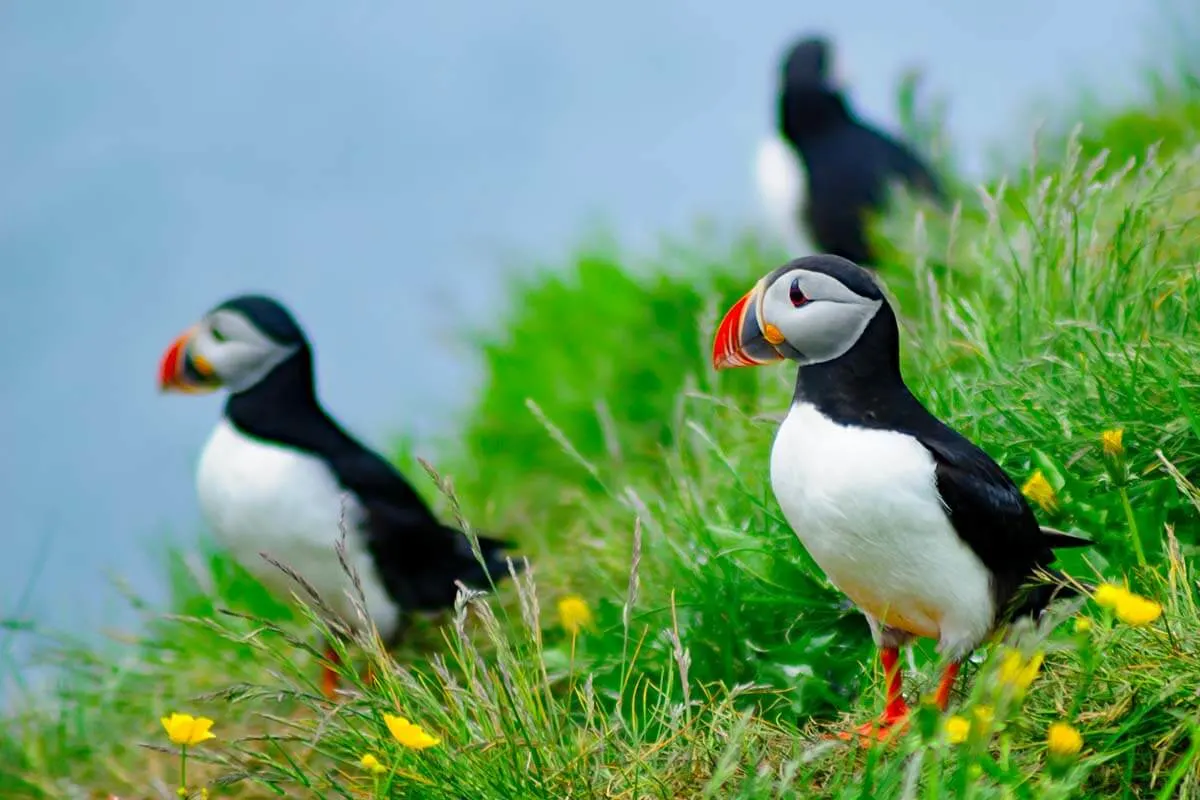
(633,476)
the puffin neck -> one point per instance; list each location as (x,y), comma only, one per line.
(863,386)
(281,402)
(808,111)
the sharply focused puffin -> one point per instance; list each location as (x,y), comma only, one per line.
(279,475)
(822,150)
(924,532)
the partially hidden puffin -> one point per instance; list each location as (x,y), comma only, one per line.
(280,476)
(923,531)
(824,169)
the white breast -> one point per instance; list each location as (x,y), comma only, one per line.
(865,505)
(259,497)
(779,175)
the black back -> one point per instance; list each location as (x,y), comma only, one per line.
(418,558)
(865,388)
(849,164)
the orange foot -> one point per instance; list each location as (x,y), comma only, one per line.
(894,720)
(895,713)
(878,731)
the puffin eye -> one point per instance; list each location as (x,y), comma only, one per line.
(796,294)
(217,335)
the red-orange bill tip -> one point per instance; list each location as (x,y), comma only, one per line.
(171,366)
(725,349)
(739,341)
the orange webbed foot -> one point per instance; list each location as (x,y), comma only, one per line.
(893,721)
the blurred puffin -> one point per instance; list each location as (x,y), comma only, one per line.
(823,150)
(924,532)
(279,475)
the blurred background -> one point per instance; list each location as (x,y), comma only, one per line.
(385,169)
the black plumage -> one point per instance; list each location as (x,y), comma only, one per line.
(865,388)
(918,526)
(849,163)
(417,557)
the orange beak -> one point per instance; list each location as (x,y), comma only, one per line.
(741,340)
(182,371)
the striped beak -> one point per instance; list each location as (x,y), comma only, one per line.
(182,371)
(741,340)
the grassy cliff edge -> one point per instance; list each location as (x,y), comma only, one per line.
(700,653)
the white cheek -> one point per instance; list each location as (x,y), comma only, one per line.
(231,359)
(823,331)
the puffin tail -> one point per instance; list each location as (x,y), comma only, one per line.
(1052,584)
(495,554)
(426,579)
(1036,598)
(462,565)
(1055,539)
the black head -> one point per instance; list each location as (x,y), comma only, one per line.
(267,315)
(235,345)
(807,61)
(810,96)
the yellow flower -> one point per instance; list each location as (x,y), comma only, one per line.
(1082,624)
(1063,740)
(574,614)
(184,729)
(1135,610)
(370,762)
(407,734)
(1110,595)
(1039,490)
(957,729)
(1110,442)
(1015,671)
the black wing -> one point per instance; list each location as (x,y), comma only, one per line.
(418,558)
(991,515)
(902,161)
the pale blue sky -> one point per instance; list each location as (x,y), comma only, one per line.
(380,165)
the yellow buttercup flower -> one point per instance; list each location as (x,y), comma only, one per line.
(1110,442)
(1039,490)
(1063,740)
(1082,624)
(574,614)
(1015,671)
(1130,608)
(371,763)
(1136,610)
(957,729)
(408,734)
(184,729)
(1109,595)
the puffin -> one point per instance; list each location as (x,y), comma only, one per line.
(824,169)
(280,477)
(923,532)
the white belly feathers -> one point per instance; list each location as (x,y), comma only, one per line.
(865,505)
(259,497)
